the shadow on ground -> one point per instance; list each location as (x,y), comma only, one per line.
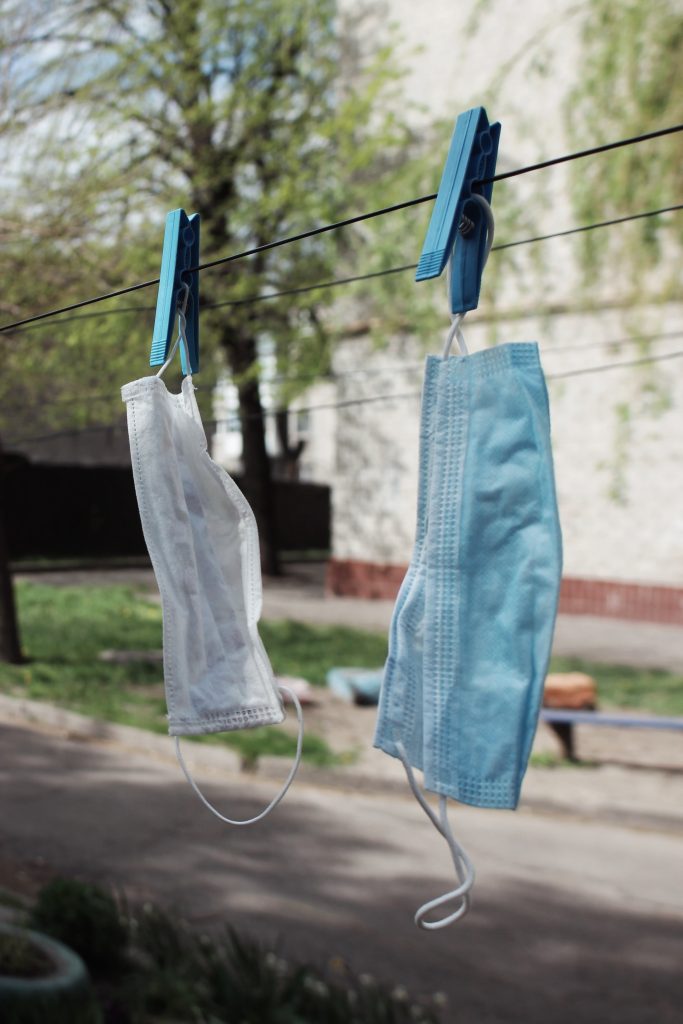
(337,875)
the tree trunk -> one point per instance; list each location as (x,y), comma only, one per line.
(257,480)
(10,647)
(290,453)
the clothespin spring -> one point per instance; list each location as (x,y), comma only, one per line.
(181,309)
(465,228)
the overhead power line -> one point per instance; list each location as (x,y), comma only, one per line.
(335,226)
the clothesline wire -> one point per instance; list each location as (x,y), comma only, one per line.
(335,226)
(337,282)
(391,368)
(424,199)
(641,361)
(235,302)
(546,350)
(347,403)
(416,394)
(591,227)
(584,152)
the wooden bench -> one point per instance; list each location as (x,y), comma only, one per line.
(563,720)
(570,699)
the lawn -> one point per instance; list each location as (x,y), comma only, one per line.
(65,629)
(640,689)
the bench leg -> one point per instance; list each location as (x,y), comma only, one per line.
(565,734)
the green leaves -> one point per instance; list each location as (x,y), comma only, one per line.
(266,117)
(629,82)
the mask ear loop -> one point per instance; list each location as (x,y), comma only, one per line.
(464,227)
(288,781)
(464,868)
(455,332)
(182,336)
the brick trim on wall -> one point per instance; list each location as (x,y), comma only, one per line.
(348,578)
(636,601)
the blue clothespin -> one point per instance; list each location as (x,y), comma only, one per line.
(181,251)
(458,225)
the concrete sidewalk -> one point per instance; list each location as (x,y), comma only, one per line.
(572,920)
(592,638)
(628,794)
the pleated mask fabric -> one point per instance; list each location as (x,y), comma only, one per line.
(472,629)
(203,542)
(400,712)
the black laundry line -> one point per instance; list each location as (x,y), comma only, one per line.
(614,366)
(416,394)
(337,282)
(332,376)
(345,223)
(230,302)
(369,400)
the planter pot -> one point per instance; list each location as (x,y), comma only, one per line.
(60,994)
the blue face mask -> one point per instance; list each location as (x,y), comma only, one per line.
(472,628)
(400,707)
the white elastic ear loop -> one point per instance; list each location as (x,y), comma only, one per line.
(458,318)
(463,865)
(276,800)
(464,870)
(455,332)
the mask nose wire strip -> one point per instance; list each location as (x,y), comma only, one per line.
(458,318)
(288,781)
(462,863)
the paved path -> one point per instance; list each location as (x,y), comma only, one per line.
(573,920)
(612,641)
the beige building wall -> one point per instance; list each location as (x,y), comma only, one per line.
(616,432)
(619,474)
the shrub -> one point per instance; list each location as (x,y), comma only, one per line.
(84,917)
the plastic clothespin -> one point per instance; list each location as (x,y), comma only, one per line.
(181,251)
(458,225)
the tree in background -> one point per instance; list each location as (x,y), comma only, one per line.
(10,644)
(629,82)
(625,81)
(264,117)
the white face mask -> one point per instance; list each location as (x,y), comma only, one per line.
(203,542)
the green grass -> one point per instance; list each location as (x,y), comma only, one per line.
(549,760)
(296,649)
(64,629)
